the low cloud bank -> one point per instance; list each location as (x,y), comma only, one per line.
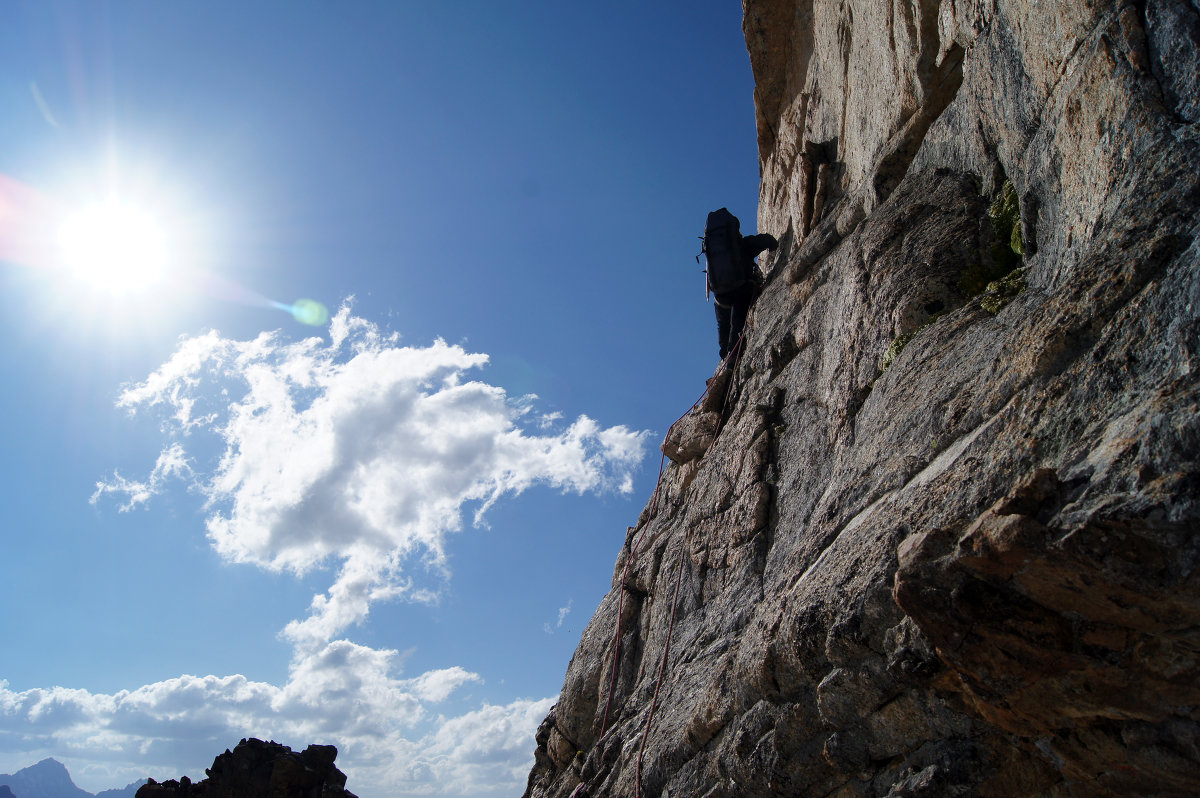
(391,737)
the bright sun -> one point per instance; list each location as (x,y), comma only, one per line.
(114,246)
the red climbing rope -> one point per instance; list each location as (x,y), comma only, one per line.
(662,669)
(729,361)
(612,684)
(732,357)
(633,555)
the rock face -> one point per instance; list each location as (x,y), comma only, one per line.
(257,769)
(942,536)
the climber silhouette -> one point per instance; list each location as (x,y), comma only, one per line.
(734,279)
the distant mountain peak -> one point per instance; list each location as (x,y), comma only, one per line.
(50,779)
(47,765)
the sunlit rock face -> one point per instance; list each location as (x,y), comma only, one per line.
(944,538)
(257,769)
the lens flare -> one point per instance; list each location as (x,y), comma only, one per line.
(310,312)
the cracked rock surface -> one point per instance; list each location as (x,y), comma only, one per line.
(977,571)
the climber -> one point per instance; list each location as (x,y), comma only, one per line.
(734,279)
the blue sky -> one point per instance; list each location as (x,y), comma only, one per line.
(386,532)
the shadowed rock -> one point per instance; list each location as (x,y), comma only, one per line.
(257,769)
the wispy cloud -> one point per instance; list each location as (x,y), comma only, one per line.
(172,463)
(563,612)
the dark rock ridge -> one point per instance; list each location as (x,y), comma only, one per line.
(257,769)
(936,532)
(128,791)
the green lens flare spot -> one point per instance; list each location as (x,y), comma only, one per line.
(310,312)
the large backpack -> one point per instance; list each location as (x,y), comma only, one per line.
(726,268)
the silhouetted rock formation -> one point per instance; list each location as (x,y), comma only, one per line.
(944,539)
(257,769)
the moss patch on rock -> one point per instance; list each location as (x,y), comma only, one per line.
(1006,248)
(1005,215)
(895,348)
(1000,292)
(900,341)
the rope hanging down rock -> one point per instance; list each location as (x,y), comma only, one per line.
(730,362)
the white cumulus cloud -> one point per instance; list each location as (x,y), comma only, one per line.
(357,450)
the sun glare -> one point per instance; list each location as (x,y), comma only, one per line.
(114,246)
(108,242)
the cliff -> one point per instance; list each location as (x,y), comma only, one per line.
(934,533)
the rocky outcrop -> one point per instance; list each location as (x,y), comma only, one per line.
(940,536)
(257,769)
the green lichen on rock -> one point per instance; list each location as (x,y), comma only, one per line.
(1005,214)
(900,341)
(1006,249)
(1000,292)
(895,348)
